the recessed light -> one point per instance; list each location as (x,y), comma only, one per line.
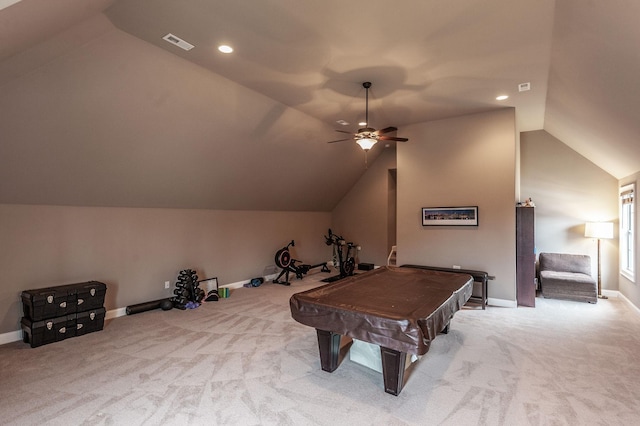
(362,123)
(342,123)
(225,49)
(502,97)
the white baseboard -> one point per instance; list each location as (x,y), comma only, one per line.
(623,297)
(240,284)
(12,336)
(115,313)
(502,303)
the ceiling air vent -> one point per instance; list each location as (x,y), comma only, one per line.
(178,42)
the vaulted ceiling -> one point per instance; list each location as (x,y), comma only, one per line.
(97,109)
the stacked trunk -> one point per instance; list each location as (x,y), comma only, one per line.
(53,314)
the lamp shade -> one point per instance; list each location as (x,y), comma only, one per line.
(598,230)
(366,143)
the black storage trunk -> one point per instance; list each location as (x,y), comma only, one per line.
(90,321)
(54,302)
(50,302)
(51,330)
(90,295)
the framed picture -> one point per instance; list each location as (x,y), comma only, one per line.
(450,216)
(209,284)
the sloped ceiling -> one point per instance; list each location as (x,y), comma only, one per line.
(594,96)
(96,109)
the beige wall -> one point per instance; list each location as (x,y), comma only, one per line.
(468,160)
(362,215)
(569,191)
(464,161)
(134,251)
(628,288)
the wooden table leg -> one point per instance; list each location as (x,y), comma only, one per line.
(329,346)
(393,364)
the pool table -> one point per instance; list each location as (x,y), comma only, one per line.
(399,309)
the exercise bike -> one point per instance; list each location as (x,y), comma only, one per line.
(285,262)
(345,260)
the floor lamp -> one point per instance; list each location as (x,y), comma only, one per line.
(599,230)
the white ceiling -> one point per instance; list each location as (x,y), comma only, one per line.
(89,88)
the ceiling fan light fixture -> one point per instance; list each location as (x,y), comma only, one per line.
(366,143)
(367,136)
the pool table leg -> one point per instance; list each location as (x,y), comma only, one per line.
(445,330)
(393,364)
(329,345)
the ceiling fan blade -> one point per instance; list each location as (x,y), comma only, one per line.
(386,130)
(391,138)
(339,140)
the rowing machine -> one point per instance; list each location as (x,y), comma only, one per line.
(285,262)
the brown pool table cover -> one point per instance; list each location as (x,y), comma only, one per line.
(398,308)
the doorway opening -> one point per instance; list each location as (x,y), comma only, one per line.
(392,207)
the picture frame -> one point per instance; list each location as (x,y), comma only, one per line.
(209,284)
(450,216)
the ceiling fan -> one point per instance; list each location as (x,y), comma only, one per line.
(367,137)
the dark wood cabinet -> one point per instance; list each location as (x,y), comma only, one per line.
(525,256)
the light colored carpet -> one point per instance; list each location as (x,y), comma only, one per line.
(244,361)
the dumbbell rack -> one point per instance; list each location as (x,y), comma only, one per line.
(187,289)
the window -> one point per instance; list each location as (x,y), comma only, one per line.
(627,239)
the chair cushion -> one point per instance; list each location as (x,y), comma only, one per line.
(564,262)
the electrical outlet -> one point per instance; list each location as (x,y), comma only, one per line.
(167,284)
(456,267)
